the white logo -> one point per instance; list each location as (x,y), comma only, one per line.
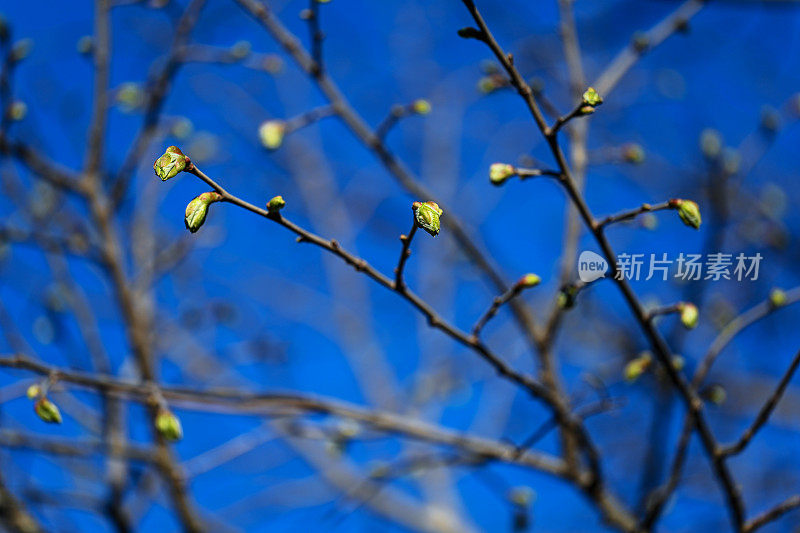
(591,266)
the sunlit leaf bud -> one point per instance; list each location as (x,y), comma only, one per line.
(715,394)
(421,106)
(21,50)
(586,110)
(47,411)
(348,428)
(275,205)
(271,133)
(241,49)
(427,216)
(500,172)
(33,391)
(197,210)
(567,296)
(710,143)
(638,366)
(678,362)
(168,165)
(529,280)
(85,45)
(688,211)
(777,298)
(633,153)
(168,425)
(17,110)
(521,495)
(592,98)
(689,315)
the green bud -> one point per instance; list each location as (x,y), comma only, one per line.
(241,49)
(777,298)
(500,172)
(84,45)
(168,425)
(529,280)
(197,209)
(421,106)
(130,96)
(271,133)
(168,165)
(47,411)
(427,216)
(592,98)
(33,391)
(586,110)
(276,204)
(678,362)
(181,128)
(689,315)
(688,211)
(17,110)
(638,366)
(487,85)
(633,153)
(715,394)
(710,143)
(21,50)
(522,496)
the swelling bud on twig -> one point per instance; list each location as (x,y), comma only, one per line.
(168,425)
(638,366)
(592,98)
(689,315)
(427,216)
(84,45)
(500,172)
(275,205)
(715,394)
(47,411)
(688,211)
(633,153)
(168,165)
(271,133)
(197,210)
(777,298)
(421,106)
(522,496)
(33,391)
(529,280)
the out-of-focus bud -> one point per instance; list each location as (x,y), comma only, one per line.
(168,165)
(689,315)
(731,161)
(777,298)
(182,128)
(521,495)
(33,391)
(130,96)
(715,394)
(47,411)
(710,143)
(770,120)
(529,280)
(649,221)
(197,209)
(592,98)
(500,172)
(489,67)
(168,425)
(323,1)
(241,49)
(17,110)
(678,362)
(489,84)
(421,106)
(640,41)
(427,216)
(566,296)
(21,50)
(638,366)
(633,153)
(273,64)
(85,45)
(271,133)
(688,211)
(275,205)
